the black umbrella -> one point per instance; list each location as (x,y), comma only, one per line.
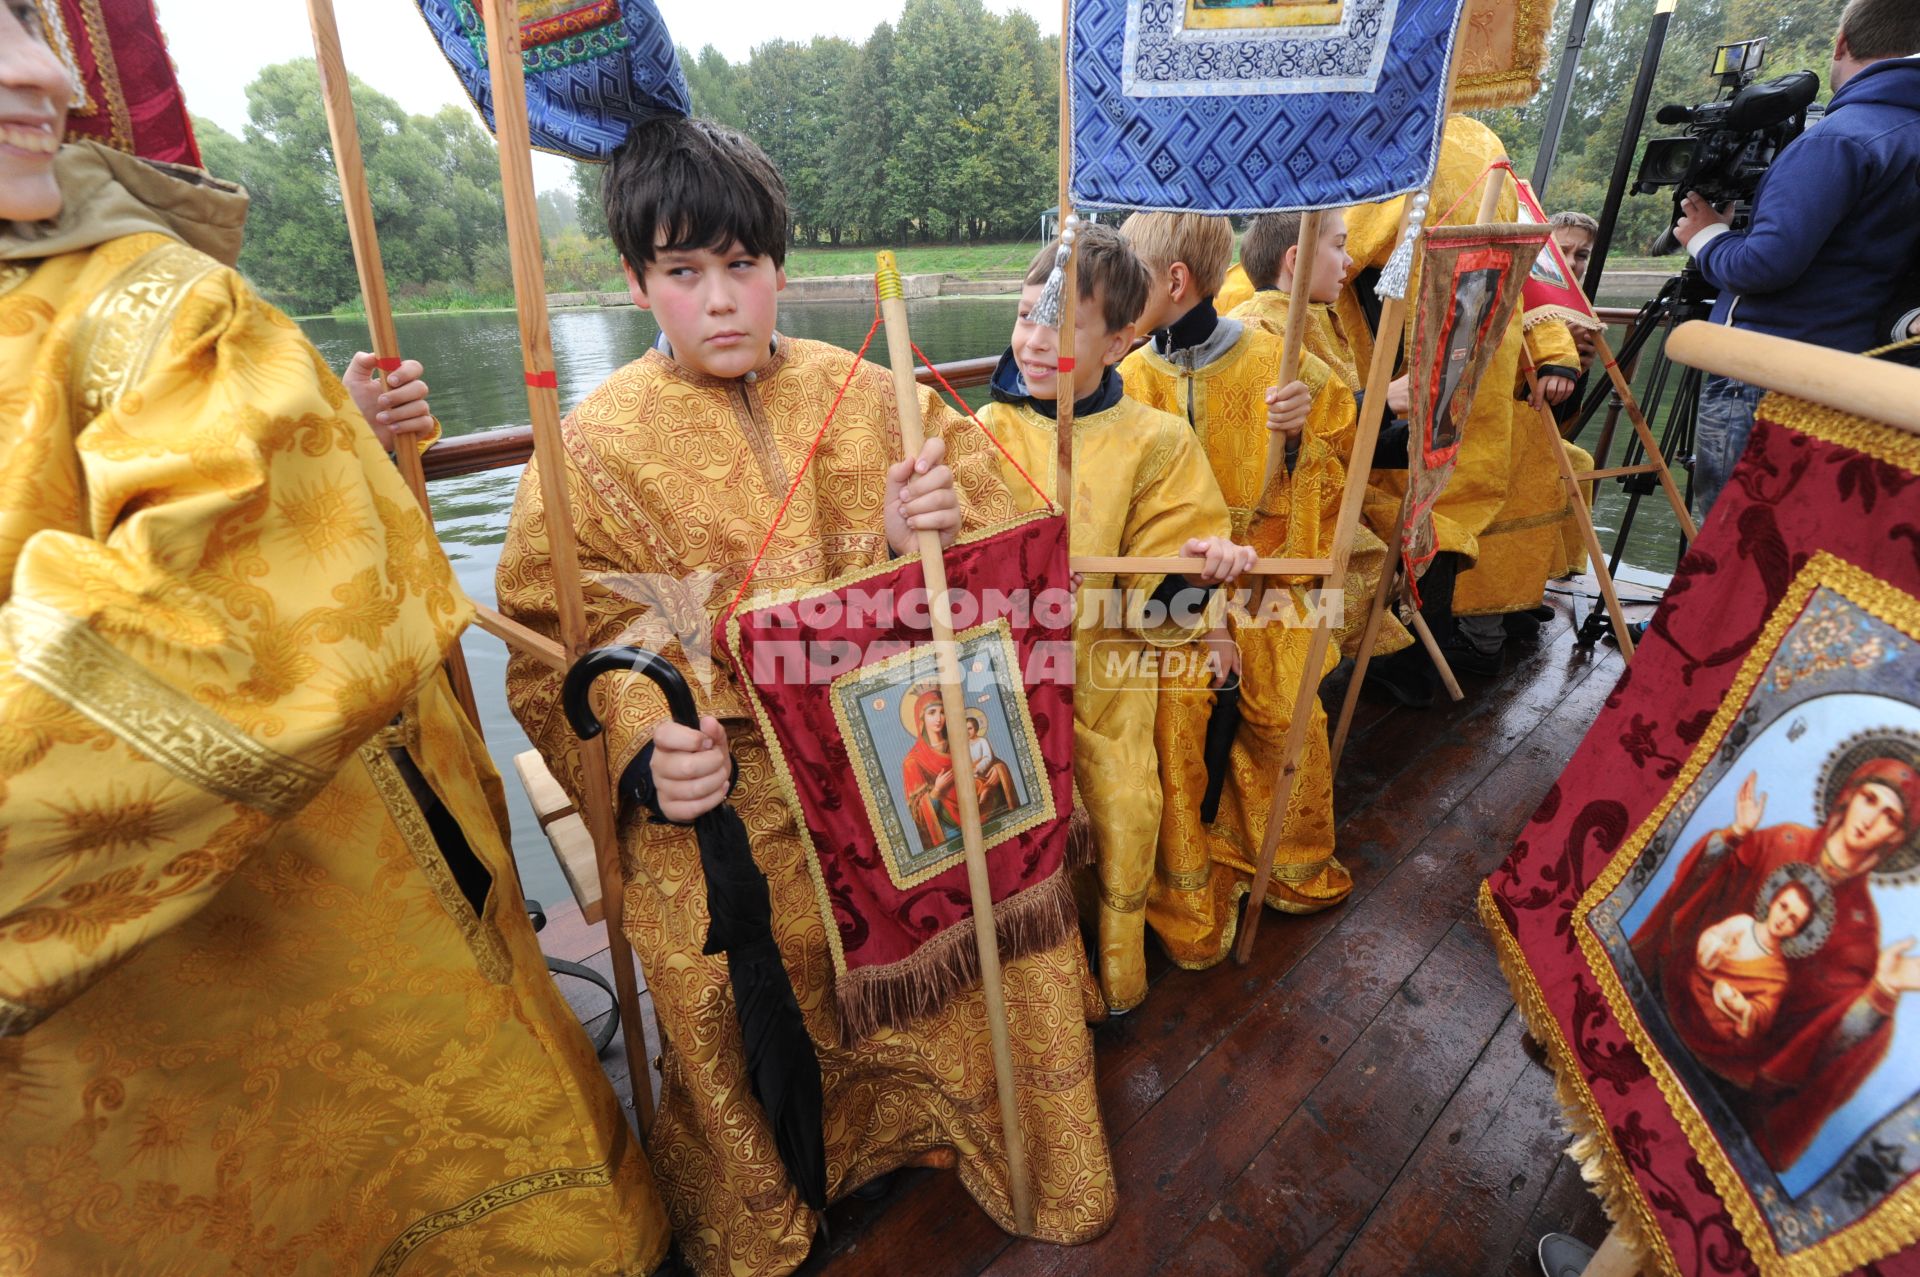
(781,1064)
(1222,724)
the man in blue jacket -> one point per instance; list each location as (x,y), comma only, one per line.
(1836,223)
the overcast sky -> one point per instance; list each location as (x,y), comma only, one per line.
(219,46)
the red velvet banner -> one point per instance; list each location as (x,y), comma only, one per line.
(1709,921)
(843,682)
(126,93)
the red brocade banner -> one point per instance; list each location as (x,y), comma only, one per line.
(844,685)
(1710,922)
(125,92)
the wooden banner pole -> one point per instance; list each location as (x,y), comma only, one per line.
(543,402)
(357,203)
(1299,308)
(893,312)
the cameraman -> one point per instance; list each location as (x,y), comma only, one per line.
(1835,221)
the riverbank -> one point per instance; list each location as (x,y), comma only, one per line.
(930,271)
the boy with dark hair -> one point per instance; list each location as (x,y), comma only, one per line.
(676,467)
(1152,494)
(1218,373)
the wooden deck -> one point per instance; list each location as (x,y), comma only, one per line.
(1360,1098)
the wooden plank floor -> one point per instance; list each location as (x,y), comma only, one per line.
(1359,1099)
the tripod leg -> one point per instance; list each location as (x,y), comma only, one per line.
(1641,429)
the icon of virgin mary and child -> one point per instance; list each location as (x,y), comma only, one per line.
(930,779)
(1766,949)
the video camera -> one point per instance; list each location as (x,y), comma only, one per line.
(1729,142)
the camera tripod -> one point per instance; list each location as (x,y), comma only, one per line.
(1683,297)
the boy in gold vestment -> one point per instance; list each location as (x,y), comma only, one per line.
(1141,487)
(269,999)
(1218,374)
(1268,252)
(676,467)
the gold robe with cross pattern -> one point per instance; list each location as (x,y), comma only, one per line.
(250,1021)
(675,478)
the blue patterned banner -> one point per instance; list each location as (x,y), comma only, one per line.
(593,67)
(1250,106)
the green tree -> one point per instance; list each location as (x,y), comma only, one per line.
(718,87)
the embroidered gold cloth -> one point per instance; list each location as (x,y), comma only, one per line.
(1141,487)
(1326,365)
(675,478)
(249,1021)
(1202,868)
(1503,474)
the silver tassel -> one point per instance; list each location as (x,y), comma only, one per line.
(1398,271)
(1047,306)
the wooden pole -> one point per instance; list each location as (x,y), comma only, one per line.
(1366,437)
(1886,392)
(893,311)
(1581,515)
(337,97)
(543,402)
(1369,635)
(1299,307)
(1490,197)
(1623,392)
(1064,379)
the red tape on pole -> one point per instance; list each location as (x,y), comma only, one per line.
(546,379)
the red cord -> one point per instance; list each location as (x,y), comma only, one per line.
(921,355)
(812,448)
(1505,164)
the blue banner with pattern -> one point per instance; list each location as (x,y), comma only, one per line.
(1250,106)
(593,67)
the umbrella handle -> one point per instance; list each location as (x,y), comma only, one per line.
(605,660)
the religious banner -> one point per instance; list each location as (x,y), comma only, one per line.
(1503,46)
(1469,286)
(125,92)
(1551,291)
(844,685)
(593,67)
(1248,106)
(1711,922)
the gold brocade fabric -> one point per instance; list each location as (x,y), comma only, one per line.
(249,1020)
(1502,47)
(1234,289)
(1478,488)
(1532,538)
(1326,365)
(675,479)
(1203,868)
(1141,487)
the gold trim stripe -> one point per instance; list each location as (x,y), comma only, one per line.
(484,1203)
(482,940)
(1830,425)
(121,328)
(60,655)
(1526,522)
(1892,1225)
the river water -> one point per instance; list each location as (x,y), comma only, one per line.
(473,368)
